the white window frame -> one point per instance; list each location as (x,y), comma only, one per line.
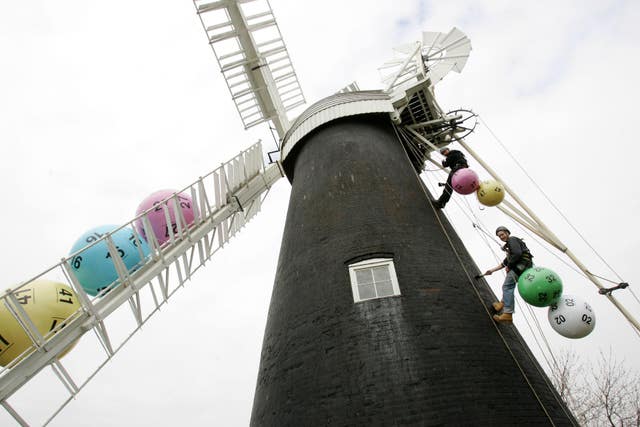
(370,263)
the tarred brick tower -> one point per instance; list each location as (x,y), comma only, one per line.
(373,318)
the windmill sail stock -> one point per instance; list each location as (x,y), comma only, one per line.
(253,60)
(224,201)
(255,64)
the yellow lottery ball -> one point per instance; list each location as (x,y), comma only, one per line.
(490,192)
(48,305)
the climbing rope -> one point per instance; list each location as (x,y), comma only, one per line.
(602,291)
(585,273)
(531,318)
(478,226)
(477,293)
(515,160)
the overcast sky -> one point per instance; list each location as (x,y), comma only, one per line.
(103,103)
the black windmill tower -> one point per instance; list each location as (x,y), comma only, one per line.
(375,318)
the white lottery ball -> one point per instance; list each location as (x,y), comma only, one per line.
(572,317)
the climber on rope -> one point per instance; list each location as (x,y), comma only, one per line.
(455,160)
(518,259)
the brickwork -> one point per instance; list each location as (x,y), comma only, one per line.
(431,356)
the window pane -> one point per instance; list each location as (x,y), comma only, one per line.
(384,288)
(364,276)
(366,291)
(373,278)
(381,273)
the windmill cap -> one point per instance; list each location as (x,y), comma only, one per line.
(502,228)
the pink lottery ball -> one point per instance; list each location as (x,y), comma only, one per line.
(465,181)
(157,217)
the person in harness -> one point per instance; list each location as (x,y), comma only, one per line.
(518,259)
(455,160)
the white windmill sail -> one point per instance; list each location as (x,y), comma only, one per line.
(405,69)
(253,59)
(223,201)
(443,53)
(433,57)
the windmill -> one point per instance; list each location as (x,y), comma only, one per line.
(242,202)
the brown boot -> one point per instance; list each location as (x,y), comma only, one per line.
(503,318)
(498,305)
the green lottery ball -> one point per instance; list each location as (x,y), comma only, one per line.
(540,286)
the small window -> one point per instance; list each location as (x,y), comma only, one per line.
(373,278)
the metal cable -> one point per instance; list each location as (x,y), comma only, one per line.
(479,229)
(477,293)
(486,238)
(562,215)
(469,211)
(571,266)
(547,197)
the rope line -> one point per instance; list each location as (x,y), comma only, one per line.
(605,279)
(531,314)
(520,368)
(547,197)
(586,274)
(543,337)
(529,310)
(480,228)
(555,207)
(485,236)
(477,293)
(572,267)
(534,320)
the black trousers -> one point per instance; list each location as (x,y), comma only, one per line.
(448,189)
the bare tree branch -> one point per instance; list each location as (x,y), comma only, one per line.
(607,393)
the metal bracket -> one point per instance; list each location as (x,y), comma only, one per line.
(395,117)
(607,291)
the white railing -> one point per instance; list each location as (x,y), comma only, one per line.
(223,201)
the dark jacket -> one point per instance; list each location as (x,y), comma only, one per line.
(455,160)
(518,256)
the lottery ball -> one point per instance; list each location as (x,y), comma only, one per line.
(94,266)
(490,193)
(157,204)
(539,286)
(48,304)
(464,181)
(572,317)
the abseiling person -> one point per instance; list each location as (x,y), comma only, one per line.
(455,160)
(518,259)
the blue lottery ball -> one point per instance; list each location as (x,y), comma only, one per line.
(94,266)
